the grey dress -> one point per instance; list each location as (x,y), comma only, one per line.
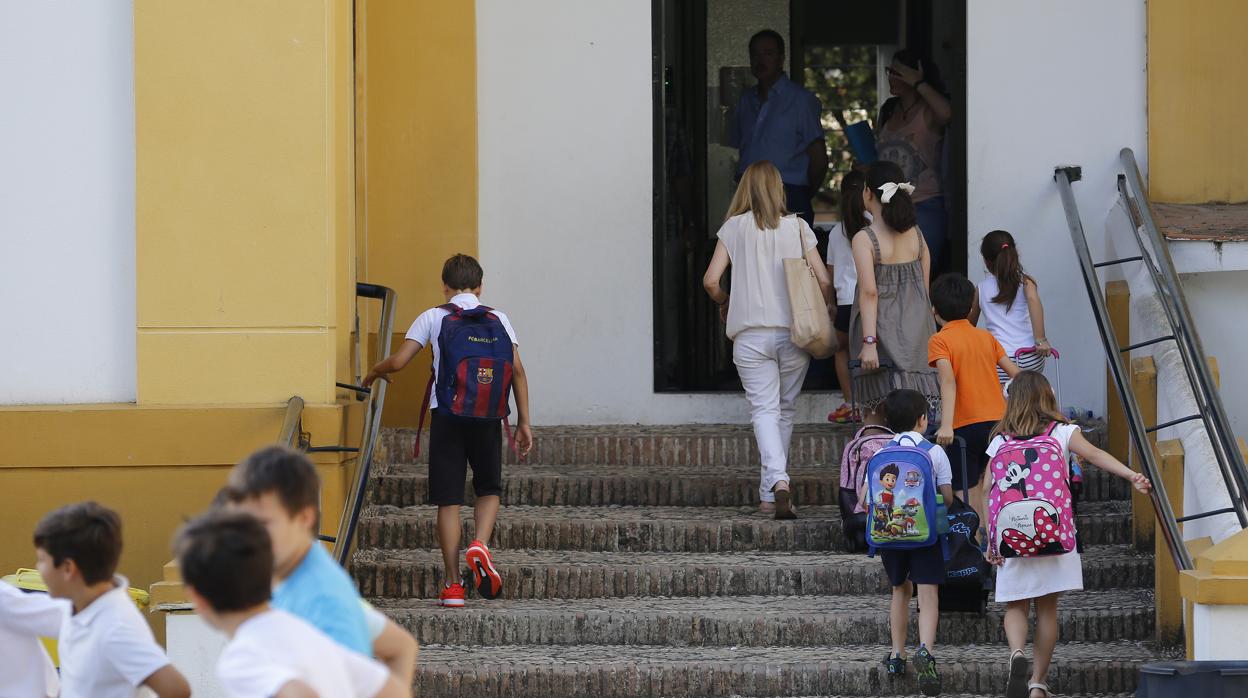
(903,325)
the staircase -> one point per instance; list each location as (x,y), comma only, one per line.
(636,564)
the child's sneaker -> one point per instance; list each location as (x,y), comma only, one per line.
(452,596)
(925,669)
(895,664)
(842,414)
(485,578)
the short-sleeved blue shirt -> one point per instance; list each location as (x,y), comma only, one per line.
(779,129)
(320,592)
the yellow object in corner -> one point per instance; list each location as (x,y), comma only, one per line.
(30,580)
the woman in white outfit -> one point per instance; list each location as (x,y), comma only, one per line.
(756,238)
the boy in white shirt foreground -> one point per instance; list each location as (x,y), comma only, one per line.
(226,561)
(26,671)
(106,648)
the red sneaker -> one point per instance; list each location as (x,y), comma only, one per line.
(485,578)
(452,596)
(842,414)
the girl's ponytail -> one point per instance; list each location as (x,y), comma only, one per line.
(853,211)
(899,211)
(1001,255)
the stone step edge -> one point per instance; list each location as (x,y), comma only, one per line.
(708,622)
(677,446)
(1098,486)
(556,574)
(609,670)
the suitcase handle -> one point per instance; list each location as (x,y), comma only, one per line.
(1032,350)
(966,483)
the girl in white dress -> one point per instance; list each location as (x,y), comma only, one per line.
(1032,410)
(1009,301)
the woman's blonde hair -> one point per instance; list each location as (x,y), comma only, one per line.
(761,192)
(1031,408)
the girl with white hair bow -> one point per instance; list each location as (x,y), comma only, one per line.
(891,320)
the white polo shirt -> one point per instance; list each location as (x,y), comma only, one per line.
(274,647)
(428,325)
(107,650)
(26,671)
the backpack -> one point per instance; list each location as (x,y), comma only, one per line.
(901,491)
(1030,506)
(475,359)
(967,573)
(854,460)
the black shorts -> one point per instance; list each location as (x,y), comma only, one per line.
(919,565)
(841,321)
(456,443)
(976,438)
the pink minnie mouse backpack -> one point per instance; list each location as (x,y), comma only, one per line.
(1030,507)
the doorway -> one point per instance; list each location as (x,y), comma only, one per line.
(837,49)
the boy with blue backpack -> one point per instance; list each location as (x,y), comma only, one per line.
(903,481)
(476,363)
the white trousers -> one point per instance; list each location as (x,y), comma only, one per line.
(772,371)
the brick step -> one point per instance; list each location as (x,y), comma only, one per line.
(632,444)
(729,485)
(747,621)
(529,574)
(668,529)
(607,671)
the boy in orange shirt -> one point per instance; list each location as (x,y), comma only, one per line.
(966,359)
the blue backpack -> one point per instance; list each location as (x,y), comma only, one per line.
(901,497)
(475,360)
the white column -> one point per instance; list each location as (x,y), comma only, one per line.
(193,647)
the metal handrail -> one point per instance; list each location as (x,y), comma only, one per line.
(289,434)
(1208,401)
(1135,422)
(373,409)
(1155,256)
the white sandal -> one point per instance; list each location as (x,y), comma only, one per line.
(1018,676)
(1043,687)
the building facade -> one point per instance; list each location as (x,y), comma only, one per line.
(194,189)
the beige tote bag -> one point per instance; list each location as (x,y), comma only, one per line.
(811,330)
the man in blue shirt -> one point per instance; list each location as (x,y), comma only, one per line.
(778,120)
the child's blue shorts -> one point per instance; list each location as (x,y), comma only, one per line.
(919,565)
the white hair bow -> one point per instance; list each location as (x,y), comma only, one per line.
(890,188)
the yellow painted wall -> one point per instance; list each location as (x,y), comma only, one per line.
(416,118)
(246,269)
(1197,66)
(157,466)
(244,205)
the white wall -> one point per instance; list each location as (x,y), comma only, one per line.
(1213,298)
(566,230)
(194,647)
(1053,83)
(67,292)
(1218,632)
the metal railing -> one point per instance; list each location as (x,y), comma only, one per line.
(291,433)
(1155,255)
(375,397)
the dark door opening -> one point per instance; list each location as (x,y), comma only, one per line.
(838,49)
